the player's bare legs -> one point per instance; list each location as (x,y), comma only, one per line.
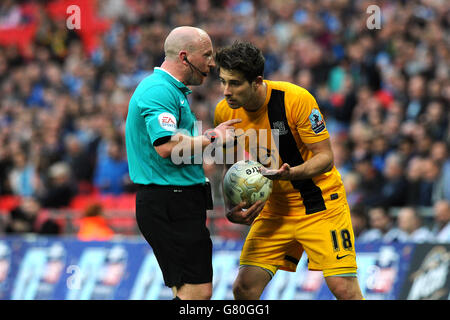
(344,288)
(250,283)
(188,291)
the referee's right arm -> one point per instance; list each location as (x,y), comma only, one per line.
(183,142)
(222,133)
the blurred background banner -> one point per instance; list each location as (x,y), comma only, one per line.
(428,277)
(52,268)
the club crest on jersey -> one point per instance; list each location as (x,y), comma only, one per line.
(317,122)
(279,125)
(167,121)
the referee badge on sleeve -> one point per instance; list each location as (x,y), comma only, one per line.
(317,122)
(167,121)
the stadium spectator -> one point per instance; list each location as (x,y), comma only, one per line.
(80,162)
(435,120)
(393,191)
(439,152)
(417,98)
(382,227)
(93,226)
(352,185)
(341,152)
(414,182)
(409,221)
(405,147)
(360,221)
(5,168)
(446,180)
(22,175)
(22,218)
(28,217)
(371,180)
(432,181)
(59,189)
(111,173)
(422,140)
(440,155)
(441,227)
(10,14)
(379,151)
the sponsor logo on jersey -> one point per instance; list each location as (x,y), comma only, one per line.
(279,125)
(317,122)
(167,121)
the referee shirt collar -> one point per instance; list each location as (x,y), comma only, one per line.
(180,85)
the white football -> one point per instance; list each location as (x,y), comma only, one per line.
(244,182)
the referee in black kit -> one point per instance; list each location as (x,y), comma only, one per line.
(172,199)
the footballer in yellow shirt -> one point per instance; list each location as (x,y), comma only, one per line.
(307,209)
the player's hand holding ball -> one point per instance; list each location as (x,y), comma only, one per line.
(247,190)
(240,215)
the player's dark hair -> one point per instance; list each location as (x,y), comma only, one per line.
(243,57)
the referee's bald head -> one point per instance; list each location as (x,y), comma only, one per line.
(184,38)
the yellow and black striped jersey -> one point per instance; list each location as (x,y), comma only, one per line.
(294,112)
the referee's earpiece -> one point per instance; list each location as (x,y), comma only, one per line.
(196,69)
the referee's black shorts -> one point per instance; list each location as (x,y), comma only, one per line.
(173,221)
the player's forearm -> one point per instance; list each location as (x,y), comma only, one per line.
(318,164)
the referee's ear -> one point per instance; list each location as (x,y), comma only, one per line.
(182,57)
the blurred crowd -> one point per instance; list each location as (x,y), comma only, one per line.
(385,95)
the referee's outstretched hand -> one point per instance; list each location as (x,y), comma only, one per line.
(240,215)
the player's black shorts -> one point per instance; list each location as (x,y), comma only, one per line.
(173,221)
